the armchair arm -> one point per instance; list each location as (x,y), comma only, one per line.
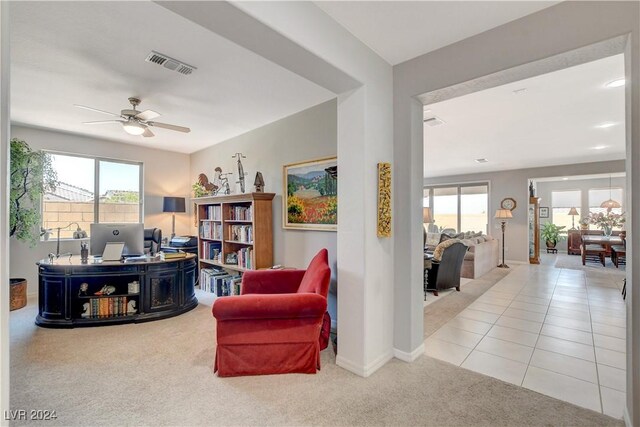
(271,281)
(272,306)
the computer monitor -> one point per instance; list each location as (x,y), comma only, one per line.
(132,235)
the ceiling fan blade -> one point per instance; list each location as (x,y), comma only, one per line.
(147,133)
(168,126)
(102,122)
(147,115)
(96,110)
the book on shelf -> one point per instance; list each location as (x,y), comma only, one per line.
(219,282)
(174,255)
(210,230)
(241,233)
(105,307)
(244,258)
(211,251)
(213,212)
(241,213)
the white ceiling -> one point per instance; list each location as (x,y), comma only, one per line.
(401,30)
(92,53)
(553,122)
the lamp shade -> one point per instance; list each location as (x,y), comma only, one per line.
(503,214)
(426,215)
(173,204)
(573,212)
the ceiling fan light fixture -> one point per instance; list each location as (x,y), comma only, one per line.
(133,128)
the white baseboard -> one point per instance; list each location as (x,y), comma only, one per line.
(627,418)
(409,357)
(364,371)
(514,262)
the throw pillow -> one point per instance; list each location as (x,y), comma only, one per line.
(459,236)
(437,253)
(444,237)
(478,234)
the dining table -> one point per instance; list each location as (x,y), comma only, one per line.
(605,241)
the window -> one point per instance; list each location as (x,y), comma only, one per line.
(599,195)
(461,207)
(561,204)
(117,183)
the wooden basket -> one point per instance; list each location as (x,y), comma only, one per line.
(18,291)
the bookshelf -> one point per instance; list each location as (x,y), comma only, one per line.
(235,232)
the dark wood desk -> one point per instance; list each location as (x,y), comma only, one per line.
(136,291)
(606,242)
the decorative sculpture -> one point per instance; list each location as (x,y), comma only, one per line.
(532,191)
(241,173)
(384,199)
(131,307)
(208,186)
(259,183)
(83,289)
(106,290)
(85,309)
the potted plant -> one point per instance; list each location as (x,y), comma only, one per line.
(606,221)
(31,176)
(552,234)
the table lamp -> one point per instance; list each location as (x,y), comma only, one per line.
(503,215)
(173,205)
(427,218)
(573,212)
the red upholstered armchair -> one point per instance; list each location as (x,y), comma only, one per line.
(273,327)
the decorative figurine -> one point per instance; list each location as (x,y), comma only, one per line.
(106,290)
(83,289)
(131,307)
(203,180)
(532,192)
(259,183)
(84,252)
(85,309)
(241,173)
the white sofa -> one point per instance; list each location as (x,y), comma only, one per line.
(480,258)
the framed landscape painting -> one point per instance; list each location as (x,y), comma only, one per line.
(310,195)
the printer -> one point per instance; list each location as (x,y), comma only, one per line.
(183,242)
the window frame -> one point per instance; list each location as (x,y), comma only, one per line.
(96,183)
(429,189)
(578,206)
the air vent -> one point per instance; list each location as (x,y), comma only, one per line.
(169,63)
(433,121)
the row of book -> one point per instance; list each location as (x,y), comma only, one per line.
(241,233)
(244,257)
(241,213)
(212,251)
(213,212)
(106,307)
(210,230)
(219,282)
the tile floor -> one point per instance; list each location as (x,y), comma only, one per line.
(560,332)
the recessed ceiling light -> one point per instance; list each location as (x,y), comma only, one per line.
(519,91)
(481,160)
(565,179)
(599,147)
(615,83)
(606,125)
(433,121)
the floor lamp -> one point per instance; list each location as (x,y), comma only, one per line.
(503,215)
(573,212)
(173,205)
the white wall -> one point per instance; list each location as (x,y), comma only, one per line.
(545,188)
(515,184)
(308,135)
(165,174)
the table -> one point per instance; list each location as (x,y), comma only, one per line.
(73,293)
(606,242)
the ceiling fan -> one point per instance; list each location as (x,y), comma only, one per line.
(135,122)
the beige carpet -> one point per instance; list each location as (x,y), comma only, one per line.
(159,373)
